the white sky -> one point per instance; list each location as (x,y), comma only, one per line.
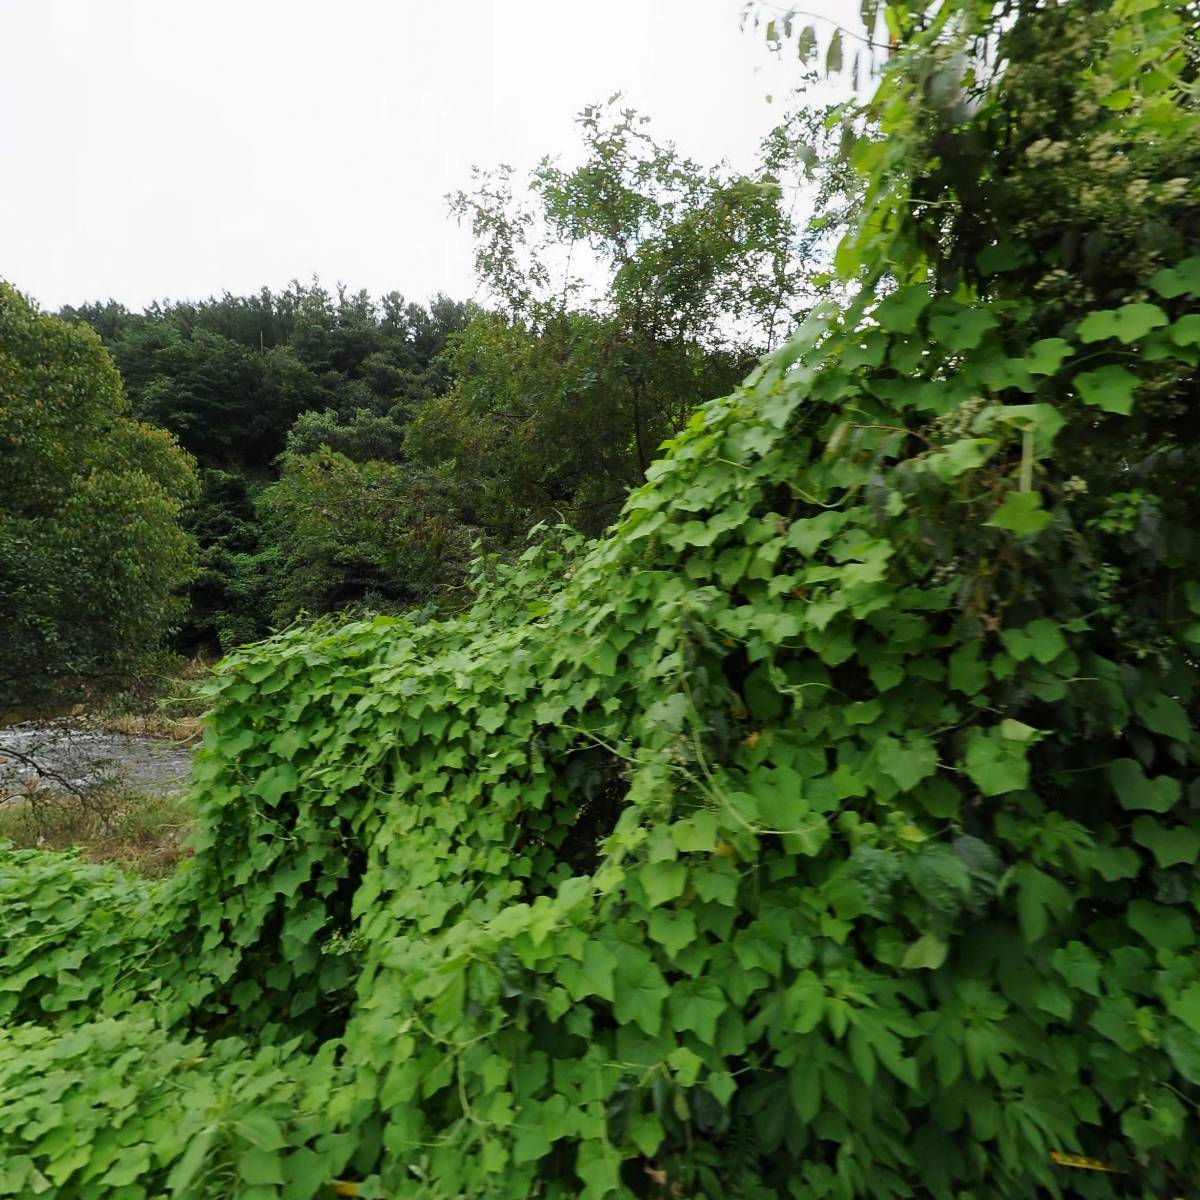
(180,148)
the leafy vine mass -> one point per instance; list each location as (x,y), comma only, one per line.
(827,829)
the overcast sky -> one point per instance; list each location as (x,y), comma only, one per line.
(180,148)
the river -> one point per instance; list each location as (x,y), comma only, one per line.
(77,755)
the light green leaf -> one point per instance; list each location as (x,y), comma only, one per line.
(663,881)
(1110,388)
(697,833)
(1045,357)
(958,457)
(994,763)
(1021,513)
(1186,331)
(260,1166)
(926,953)
(906,763)
(1018,731)
(1181,279)
(646,1132)
(1127,324)
(591,977)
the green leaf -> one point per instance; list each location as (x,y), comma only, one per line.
(994,763)
(900,312)
(639,989)
(697,1005)
(1165,715)
(963,329)
(1041,639)
(646,1132)
(696,834)
(1181,279)
(1021,513)
(663,881)
(1134,790)
(806,43)
(805,1002)
(959,457)
(260,1166)
(926,953)
(272,784)
(674,931)
(940,877)
(591,977)
(184,1172)
(1171,846)
(1127,324)
(833,56)
(1164,928)
(1115,862)
(1183,1046)
(1004,256)
(261,1131)
(1110,388)
(1186,1007)
(1078,966)
(1038,896)
(906,763)
(968,672)
(1045,357)
(1186,331)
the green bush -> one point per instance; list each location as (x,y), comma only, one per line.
(826,830)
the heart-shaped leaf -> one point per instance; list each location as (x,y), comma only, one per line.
(1110,388)
(1127,324)
(1182,279)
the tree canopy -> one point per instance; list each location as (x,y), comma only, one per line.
(93,559)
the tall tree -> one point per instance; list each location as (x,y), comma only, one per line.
(631,287)
(93,559)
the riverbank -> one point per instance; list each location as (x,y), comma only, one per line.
(117,797)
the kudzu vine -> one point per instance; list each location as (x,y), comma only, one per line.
(827,829)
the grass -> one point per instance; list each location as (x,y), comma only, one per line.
(109,823)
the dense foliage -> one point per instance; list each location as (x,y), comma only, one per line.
(92,555)
(254,387)
(629,288)
(352,451)
(828,829)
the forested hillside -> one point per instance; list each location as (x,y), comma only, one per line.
(356,454)
(825,828)
(242,381)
